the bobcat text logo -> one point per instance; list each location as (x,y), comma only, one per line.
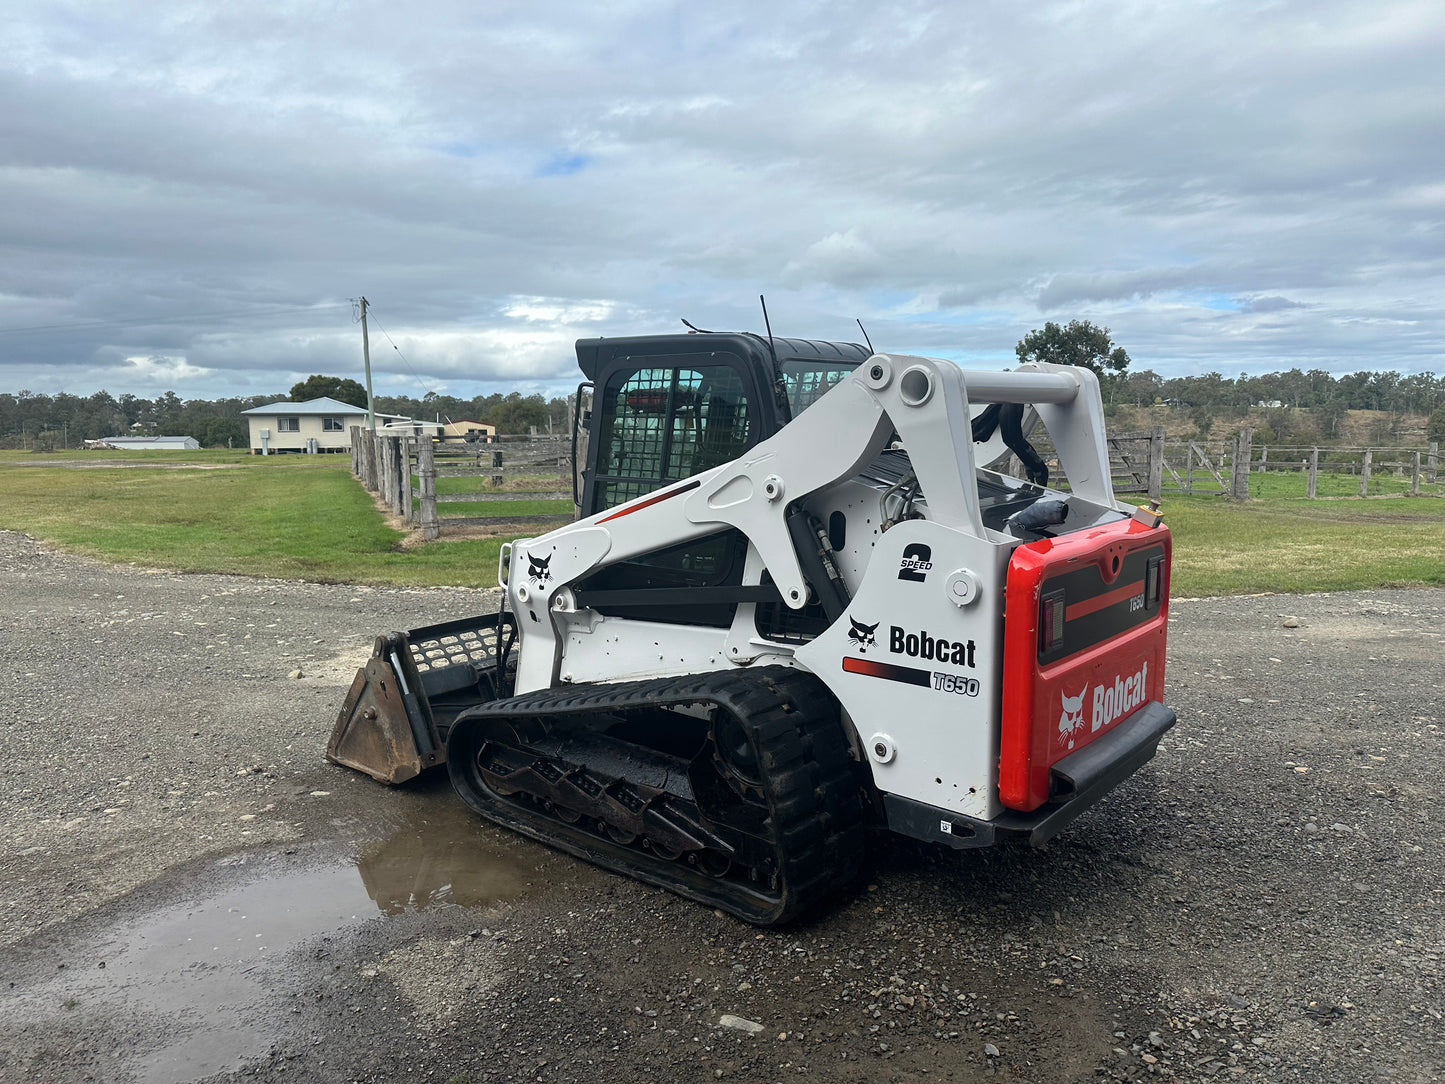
(1072,720)
(1114,701)
(861,636)
(920,645)
(917,560)
(537,568)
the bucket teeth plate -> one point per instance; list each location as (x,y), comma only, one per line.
(373,733)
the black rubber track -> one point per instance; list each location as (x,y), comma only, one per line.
(816,815)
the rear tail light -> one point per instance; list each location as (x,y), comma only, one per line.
(1051,621)
(648,401)
(1153,577)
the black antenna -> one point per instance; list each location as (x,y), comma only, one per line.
(866,339)
(764,303)
(780,386)
(700,331)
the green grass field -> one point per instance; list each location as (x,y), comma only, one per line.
(292,516)
(305,517)
(500,510)
(1294,544)
(1381,484)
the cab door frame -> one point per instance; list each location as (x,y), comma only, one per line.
(763,422)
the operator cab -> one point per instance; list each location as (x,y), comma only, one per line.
(666,407)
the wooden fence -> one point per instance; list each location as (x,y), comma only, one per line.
(1150,464)
(422,480)
(428,484)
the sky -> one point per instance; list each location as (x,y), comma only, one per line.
(192,195)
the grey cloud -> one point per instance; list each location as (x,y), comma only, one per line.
(953,175)
(1070,289)
(1271,303)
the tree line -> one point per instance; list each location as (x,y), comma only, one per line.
(34,421)
(29,420)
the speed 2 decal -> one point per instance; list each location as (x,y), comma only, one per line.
(917,560)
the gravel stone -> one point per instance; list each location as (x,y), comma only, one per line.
(1200,915)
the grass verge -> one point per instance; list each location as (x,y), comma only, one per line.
(299,517)
(1280,544)
(305,517)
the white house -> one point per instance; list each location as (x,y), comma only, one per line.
(318,425)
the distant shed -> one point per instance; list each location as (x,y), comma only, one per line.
(149,444)
(472,432)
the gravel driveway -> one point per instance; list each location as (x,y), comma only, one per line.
(188,891)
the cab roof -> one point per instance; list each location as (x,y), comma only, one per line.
(592,354)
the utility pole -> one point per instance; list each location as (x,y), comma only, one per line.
(366,357)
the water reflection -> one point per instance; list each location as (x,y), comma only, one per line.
(447,857)
(197,976)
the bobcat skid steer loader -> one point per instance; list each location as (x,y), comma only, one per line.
(795,608)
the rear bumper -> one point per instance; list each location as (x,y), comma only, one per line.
(1077,782)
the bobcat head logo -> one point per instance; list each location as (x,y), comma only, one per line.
(1072,720)
(537,568)
(861,636)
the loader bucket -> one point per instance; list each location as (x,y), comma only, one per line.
(385,729)
(395,719)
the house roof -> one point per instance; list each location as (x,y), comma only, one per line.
(324,405)
(148,440)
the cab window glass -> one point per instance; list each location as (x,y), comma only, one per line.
(808,381)
(663,424)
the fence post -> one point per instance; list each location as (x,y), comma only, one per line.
(426,468)
(1156,463)
(1243,452)
(387,472)
(497,479)
(1313,482)
(371,461)
(406,445)
(398,473)
(1432,464)
(1264,460)
(382,469)
(389,445)
(1415,477)
(1365,472)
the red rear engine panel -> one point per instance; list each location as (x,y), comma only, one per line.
(1084,629)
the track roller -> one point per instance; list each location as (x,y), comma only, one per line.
(735,789)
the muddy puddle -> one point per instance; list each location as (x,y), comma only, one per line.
(188,989)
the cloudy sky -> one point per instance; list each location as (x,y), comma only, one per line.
(190,193)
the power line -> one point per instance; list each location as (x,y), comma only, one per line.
(371,309)
(148,321)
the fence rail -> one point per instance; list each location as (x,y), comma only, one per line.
(405,471)
(1149,463)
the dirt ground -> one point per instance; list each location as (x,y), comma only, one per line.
(189,892)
